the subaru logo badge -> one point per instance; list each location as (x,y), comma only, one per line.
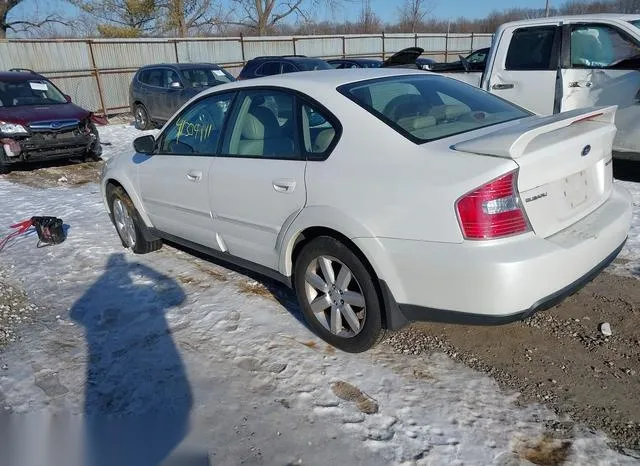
(586,150)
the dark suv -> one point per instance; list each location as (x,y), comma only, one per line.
(38,122)
(157,91)
(267,66)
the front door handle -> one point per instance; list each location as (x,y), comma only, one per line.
(502,86)
(194,175)
(284,186)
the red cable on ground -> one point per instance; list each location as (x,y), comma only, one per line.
(21,227)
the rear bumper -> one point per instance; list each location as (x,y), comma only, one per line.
(500,281)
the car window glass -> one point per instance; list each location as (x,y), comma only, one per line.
(288,68)
(32,92)
(269,68)
(264,126)
(531,49)
(317,132)
(171,77)
(197,130)
(205,77)
(144,76)
(155,77)
(600,46)
(429,107)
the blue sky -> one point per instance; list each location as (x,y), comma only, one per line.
(386,9)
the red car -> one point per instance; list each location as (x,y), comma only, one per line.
(38,122)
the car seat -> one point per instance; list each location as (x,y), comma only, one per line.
(262,136)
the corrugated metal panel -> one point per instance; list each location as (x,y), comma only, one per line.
(371,45)
(214,51)
(482,41)
(45,56)
(319,47)
(432,42)
(459,42)
(112,55)
(267,46)
(82,89)
(116,89)
(396,42)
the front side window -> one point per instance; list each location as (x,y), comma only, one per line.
(198,128)
(32,92)
(532,49)
(602,46)
(428,107)
(171,77)
(263,126)
(311,64)
(317,131)
(205,77)
(155,77)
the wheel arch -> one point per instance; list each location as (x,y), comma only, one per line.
(112,183)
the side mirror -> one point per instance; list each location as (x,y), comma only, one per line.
(175,85)
(67,97)
(145,144)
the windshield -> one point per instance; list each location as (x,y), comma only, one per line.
(35,92)
(205,77)
(313,65)
(428,107)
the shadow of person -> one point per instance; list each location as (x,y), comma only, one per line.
(137,395)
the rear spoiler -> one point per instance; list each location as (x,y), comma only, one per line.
(512,142)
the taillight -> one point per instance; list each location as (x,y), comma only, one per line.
(493,210)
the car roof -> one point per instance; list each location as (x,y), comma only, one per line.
(356,59)
(574,19)
(319,80)
(181,66)
(18,76)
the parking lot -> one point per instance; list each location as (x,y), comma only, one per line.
(257,387)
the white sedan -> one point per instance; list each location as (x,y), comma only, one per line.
(381,196)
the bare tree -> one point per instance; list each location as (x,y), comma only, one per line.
(186,16)
(22,25)
(121,18)
(412,13)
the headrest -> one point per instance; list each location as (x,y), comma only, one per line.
(258,122)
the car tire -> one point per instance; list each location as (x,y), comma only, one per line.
(129,226)
(141,118)
(323,288)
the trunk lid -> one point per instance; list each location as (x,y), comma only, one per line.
(565,164)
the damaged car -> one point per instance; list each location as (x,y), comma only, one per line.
(40,123)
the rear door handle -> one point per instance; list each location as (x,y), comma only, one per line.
(194,175)
(284,186)
(502,86)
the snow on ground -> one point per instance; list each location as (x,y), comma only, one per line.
(201,356)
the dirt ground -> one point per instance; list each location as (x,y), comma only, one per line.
(60,173)
(559,357)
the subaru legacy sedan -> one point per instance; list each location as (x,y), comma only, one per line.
(381,196)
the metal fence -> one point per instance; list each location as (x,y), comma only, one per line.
(96,73)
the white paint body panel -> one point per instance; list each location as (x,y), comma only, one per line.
(395,200)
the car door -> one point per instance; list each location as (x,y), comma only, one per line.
(174,182)
(154,92)
(173,96)
(257,184)
(601,67)
(525,69)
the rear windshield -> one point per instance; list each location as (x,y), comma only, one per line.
(312,65)
(33,92)
(428,107)
(206,77)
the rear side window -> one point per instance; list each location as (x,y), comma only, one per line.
(532,49)
(426,107)
(317,131)
(269,68)
(602,46)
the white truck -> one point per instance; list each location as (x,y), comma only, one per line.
(551,65)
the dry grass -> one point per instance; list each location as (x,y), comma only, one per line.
(255,289)
(545,451)
(348,392)
(71,174)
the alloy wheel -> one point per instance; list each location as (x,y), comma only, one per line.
(124,223)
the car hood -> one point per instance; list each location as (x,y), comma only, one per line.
(27,114)
(404,57)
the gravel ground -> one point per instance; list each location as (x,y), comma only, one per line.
(558,357)
(15,309)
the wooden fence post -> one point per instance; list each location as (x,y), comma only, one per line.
(344,47)
(382,45)
(446,47)
(98,81)
(471,42)
(175,49)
